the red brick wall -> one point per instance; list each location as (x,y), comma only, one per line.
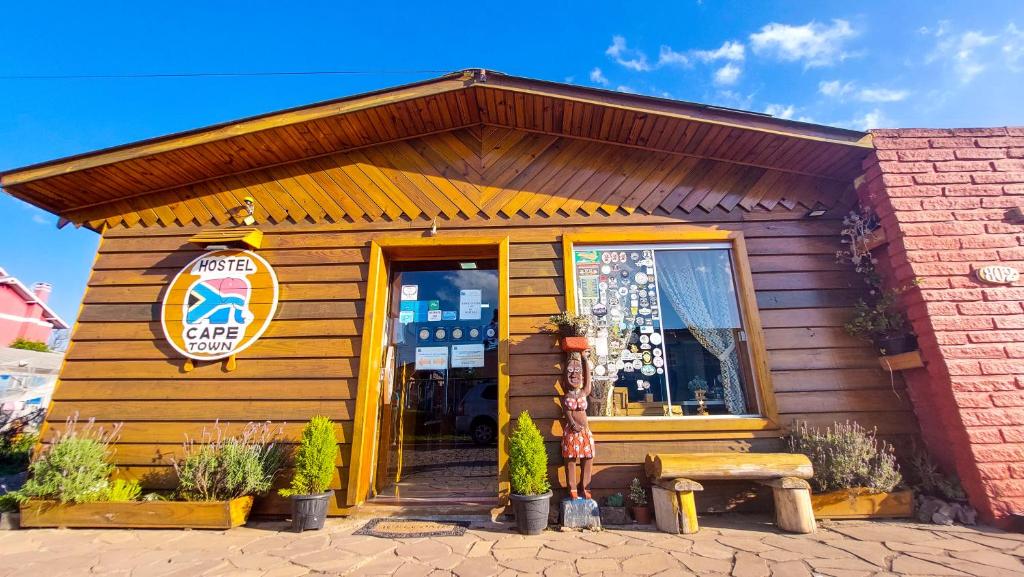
(942,195)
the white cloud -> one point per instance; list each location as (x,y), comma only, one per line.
(733,99)
(841,90)
(727,75)
(874,118)
(1013,47)
(40,219)
(598,77)
(835,88)
(780,110)
(667,56)
(730,50)
(960,53)
(815,44)
(626,89)
(626,56)
(881,95)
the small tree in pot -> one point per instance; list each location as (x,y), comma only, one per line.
(528,467)
(638,497)
(314,470)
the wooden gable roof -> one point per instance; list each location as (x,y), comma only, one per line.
(325,161)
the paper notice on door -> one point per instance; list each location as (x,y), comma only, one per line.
(410,292)
(433,316)
(469,304)
(431,358)
(406,317)
(467,356)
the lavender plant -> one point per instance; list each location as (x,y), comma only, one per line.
(217,467)
(75,467)
(846,456)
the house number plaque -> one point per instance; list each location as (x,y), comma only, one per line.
(998,274)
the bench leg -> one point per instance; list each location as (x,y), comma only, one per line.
(793,510)
(674,511)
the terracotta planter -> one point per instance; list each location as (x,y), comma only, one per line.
(862,504)
(138,514)
(642,515)
(575,344)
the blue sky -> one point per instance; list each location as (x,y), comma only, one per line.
(859,64)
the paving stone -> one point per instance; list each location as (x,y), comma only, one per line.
(880,531)
(527,565)
(518,553)
(790,569)
(712,550)
(587,565)
(914,566)
(991,558)
(848,564)
(477,567)
(605,538)
(560,569)
(648,564)
(781,555)
(677,571)
(413,569)
(744,544)
(836,572)
(874,553)
(423,551)
(577,546)
(329,560)
(805,546)
(385,564)
(286,570)
(998,541)
(702,565)
(749,565)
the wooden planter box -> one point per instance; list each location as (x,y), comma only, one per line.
(902,361)
(862,504)
(138,514)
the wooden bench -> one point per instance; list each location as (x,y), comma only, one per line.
(675,477)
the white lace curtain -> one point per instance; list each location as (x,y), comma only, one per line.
(698,285)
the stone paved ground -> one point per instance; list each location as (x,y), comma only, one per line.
(730,545)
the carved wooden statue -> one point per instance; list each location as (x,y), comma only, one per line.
(577,440)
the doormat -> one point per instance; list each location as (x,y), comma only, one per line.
(412,528)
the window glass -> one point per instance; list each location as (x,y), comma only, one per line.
(668,339)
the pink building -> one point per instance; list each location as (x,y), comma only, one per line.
(24,312)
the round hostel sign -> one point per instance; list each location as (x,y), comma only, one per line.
(219,304)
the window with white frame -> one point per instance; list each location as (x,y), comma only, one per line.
(668,336)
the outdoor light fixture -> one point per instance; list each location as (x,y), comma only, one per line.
(815,213)
(433,228)
(467,265)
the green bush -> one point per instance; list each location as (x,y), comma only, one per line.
(314,460)
(27,345)
(528,460)
(846,456)
(9,502)
(637,493)
(928,479)
(74,468)
(16,450)
(121,490)
(220,468)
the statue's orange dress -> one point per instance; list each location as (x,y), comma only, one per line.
(577,444)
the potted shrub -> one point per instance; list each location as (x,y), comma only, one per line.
(638,497)
(528,472)
(614,510)
(314,469)
(855,473)
(881,323)
(70,484)
(572,329)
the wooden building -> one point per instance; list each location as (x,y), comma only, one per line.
(527,197)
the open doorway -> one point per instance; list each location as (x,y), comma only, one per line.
(438,426)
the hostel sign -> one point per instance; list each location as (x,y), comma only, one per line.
(219,304)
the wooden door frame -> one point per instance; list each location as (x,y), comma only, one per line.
(361,463)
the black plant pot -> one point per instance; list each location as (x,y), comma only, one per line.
(531,512)
(309,511)
(896,345)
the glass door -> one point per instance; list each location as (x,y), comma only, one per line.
(439,403)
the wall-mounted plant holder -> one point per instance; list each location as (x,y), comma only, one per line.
(902,361)
(875,239)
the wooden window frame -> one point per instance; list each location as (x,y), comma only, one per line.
(768,420)
(362,460)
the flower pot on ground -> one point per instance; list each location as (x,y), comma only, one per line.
(314,470)
(639,506)
(613,512)
(855,473)
(528,473)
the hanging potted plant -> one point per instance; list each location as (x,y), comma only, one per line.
(572,328)
(855,473)
(638,497)
(882,324)
(528,472)
(314,470)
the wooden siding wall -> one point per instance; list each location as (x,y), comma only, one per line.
(119,367)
